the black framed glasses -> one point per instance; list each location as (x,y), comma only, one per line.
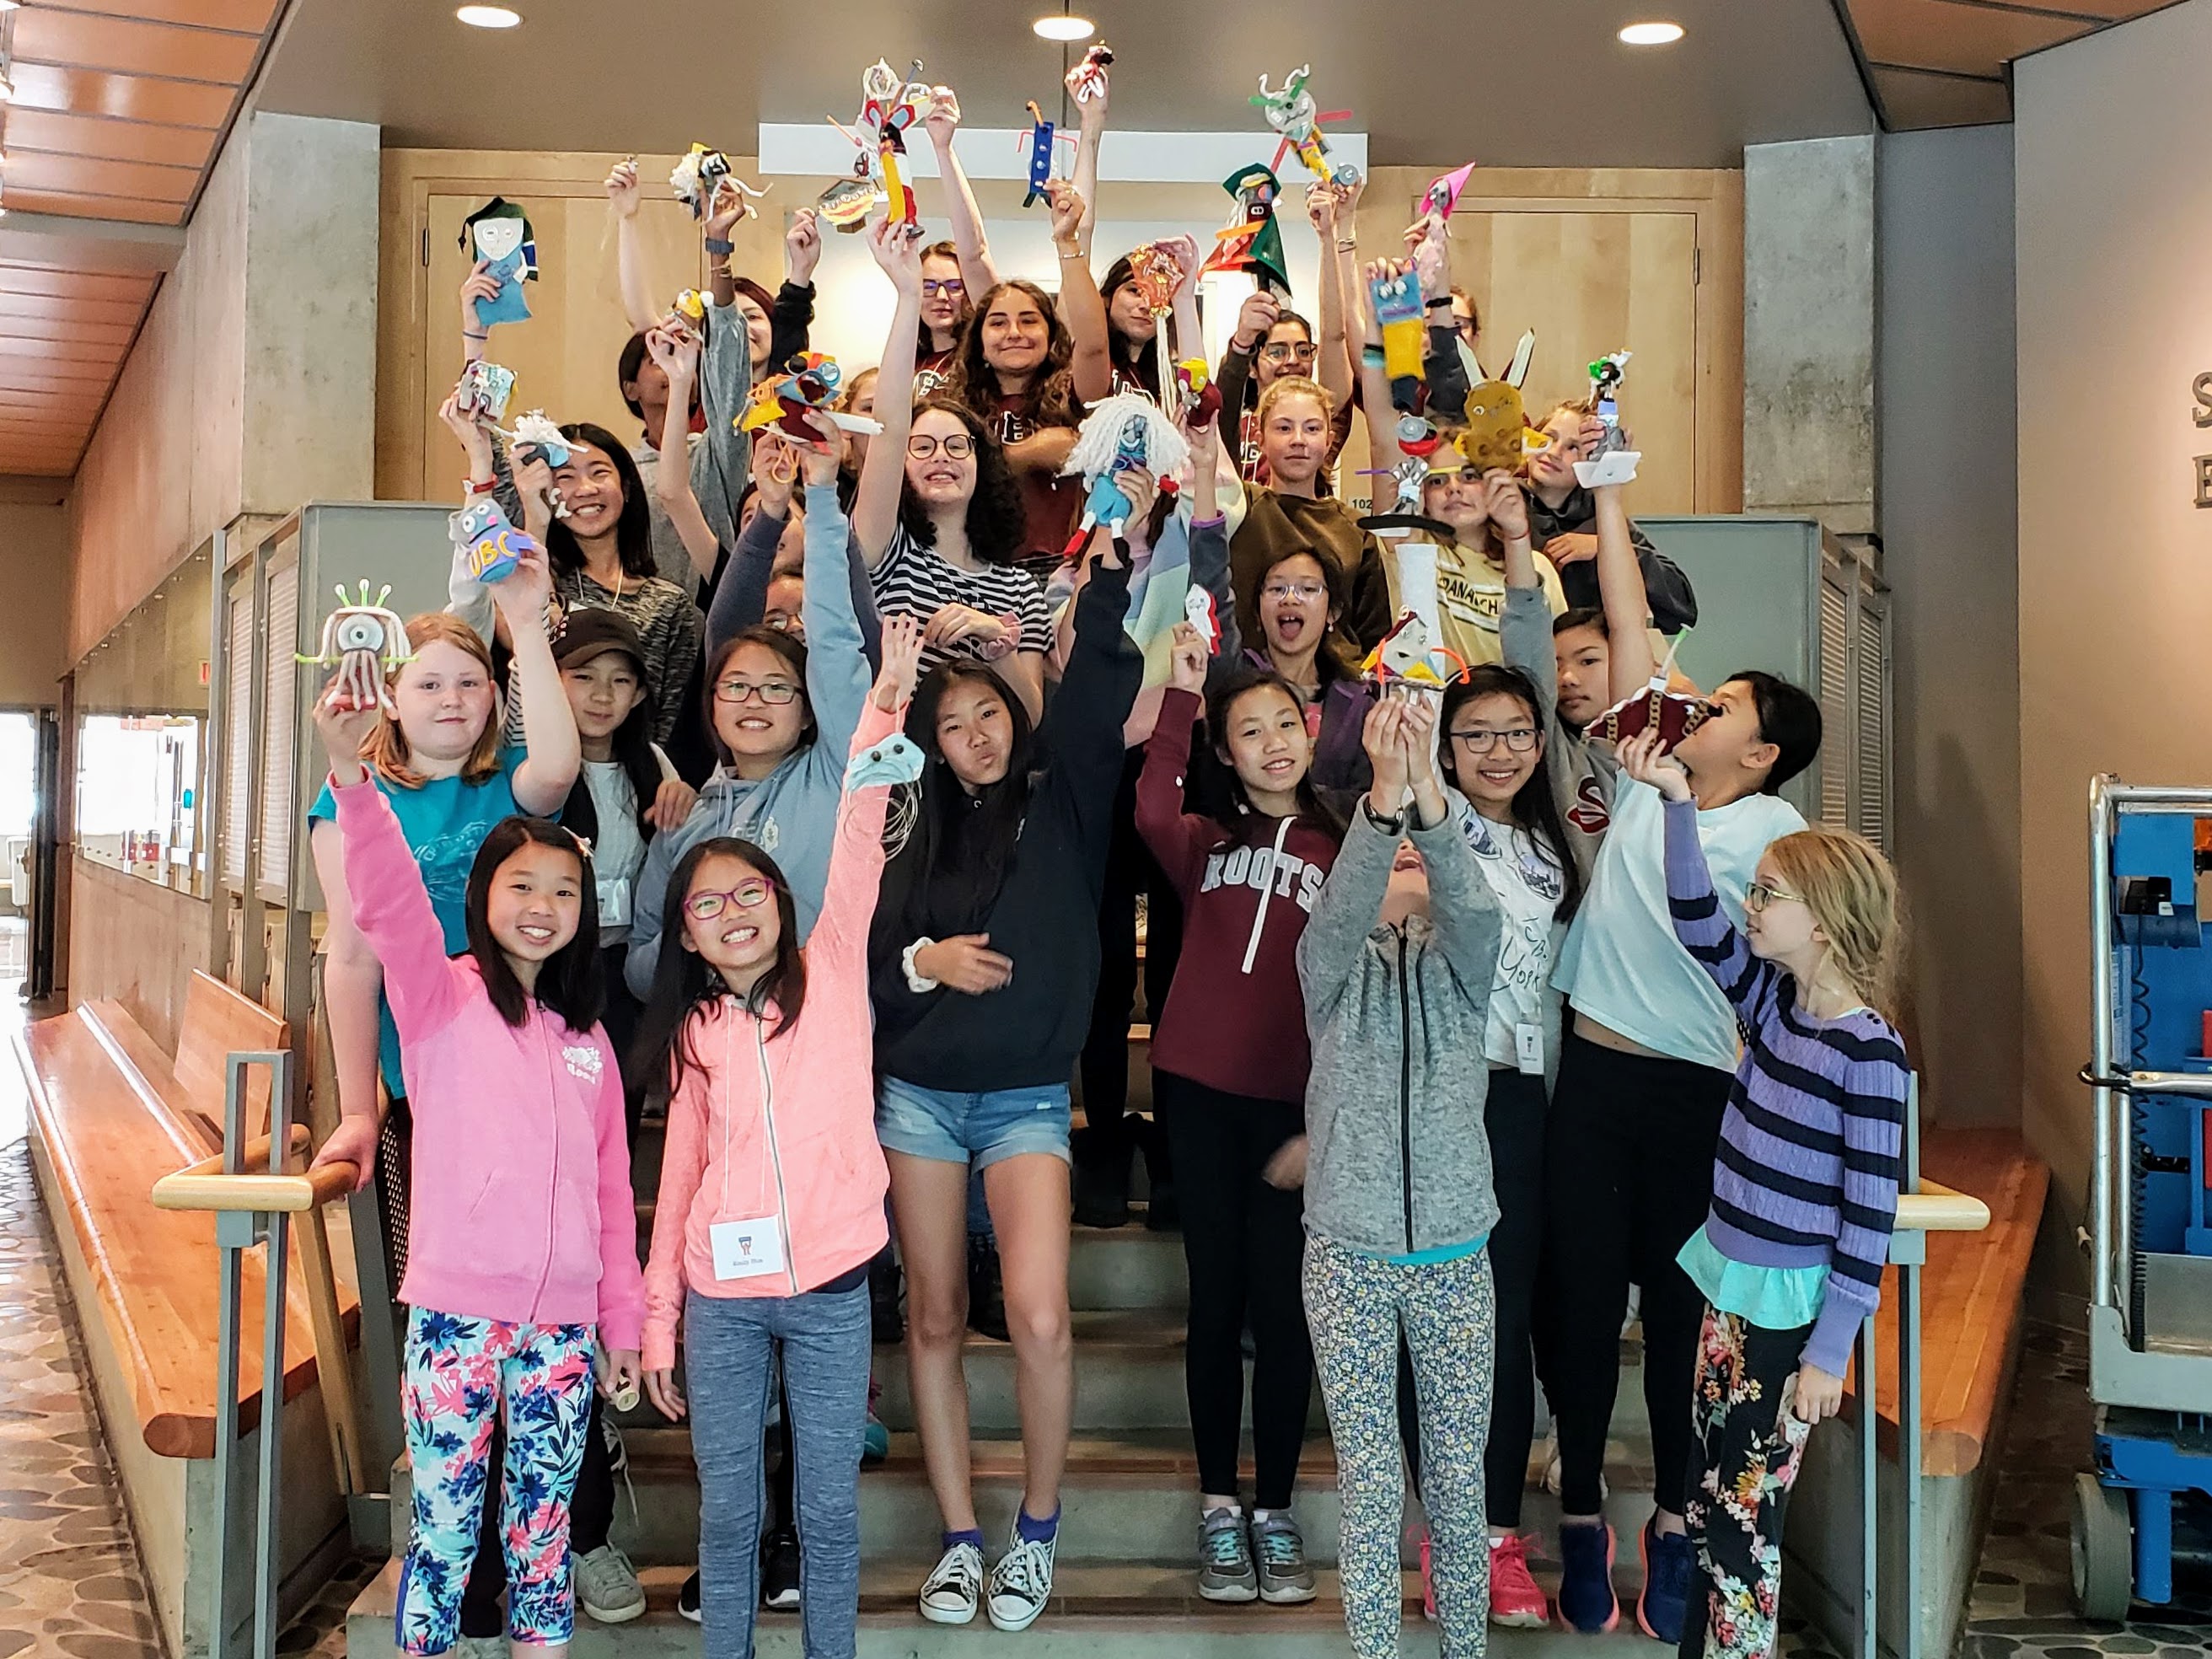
(950,287)
(747,895)
(773,694)
(1518,740)
(960,446)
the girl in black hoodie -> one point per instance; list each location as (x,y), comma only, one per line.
(985,962)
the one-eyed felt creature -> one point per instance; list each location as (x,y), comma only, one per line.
(1497,435)
(807,385)
(492,545)
(1253,241)
(1121,432)
(366,641)
(499,234)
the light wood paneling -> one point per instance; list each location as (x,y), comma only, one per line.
(118,141)
(69,310)
(1967,40)
(238,16)
(120,97)
(136,941)
(45,35)
(25,276)
(31,171)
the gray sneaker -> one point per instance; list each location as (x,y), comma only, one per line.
(480,1647)
(1225,1558)
(607,1587)
(1285,1574)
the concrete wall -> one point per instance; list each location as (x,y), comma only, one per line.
(34,551)
(2114,251)
(1947,500)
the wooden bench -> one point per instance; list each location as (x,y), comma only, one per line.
(114,1115)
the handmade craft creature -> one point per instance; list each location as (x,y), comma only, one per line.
(1290,109)
(1198,611)
(1497,437)
(1156,273)
(1087,80)
(889,105)
(1445,192)
(1614,462)
(691,306)
(703,171)
(807,385)
(1398,310)
(536,438)
(1041,139)
(1404,514)
(895,760)
(1197,393)
(492,546)
(1252,240)
(1126,430)
(1675,715)
(484,390)
(366,641)
(1403,657)
(498,234)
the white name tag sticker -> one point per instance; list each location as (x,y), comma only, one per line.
(1528,1048)
(614,903)
(747,1249)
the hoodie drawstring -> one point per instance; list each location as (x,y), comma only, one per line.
(1267,891)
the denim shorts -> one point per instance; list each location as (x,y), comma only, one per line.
(978,1129)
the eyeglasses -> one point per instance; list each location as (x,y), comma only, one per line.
(1304,592)
(1760,894)
(1519,739)
(748,894)
(773,694)
(959,446)
(1282,352)
(951,286)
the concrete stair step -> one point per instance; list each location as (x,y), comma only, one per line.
(1133,1608)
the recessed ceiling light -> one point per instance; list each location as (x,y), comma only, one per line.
(1651,34)
(488,17)
(1064,27)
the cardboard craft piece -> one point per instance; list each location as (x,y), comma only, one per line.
(1444,190)
(1290,109)
(491,546)
(1198,610)
(895,760)
(1121,432)
(366,641)
(1040,140)
(484,391)
(807,385)
(847,204)
(1087,80)
(499,234)
(1497,435)
(1252,240)
(1404,656)
(1397,302)
(1675,714)
(1614,463)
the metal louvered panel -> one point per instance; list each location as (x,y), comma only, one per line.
(237,716)
(1835,695)
(278,737)
(1871,736)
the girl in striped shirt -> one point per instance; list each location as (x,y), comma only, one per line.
(1804,1183)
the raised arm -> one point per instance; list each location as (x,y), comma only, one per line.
(638,301)
(553,754)
(856,853)
(792,318)
(1331,208)
(1082,307)
(883,475)
(1104,673)
(1090,134)
(741,597)
(1621,589)
(1465,920)
(1693,906)
(677,355)
(837,673)
(969,243)
(1382,450)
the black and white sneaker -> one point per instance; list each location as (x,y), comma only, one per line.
(1021,1583)
(949,1595)
(687,1599)
(779,1577)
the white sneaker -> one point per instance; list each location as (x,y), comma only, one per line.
(950,1593)
(1021,1583)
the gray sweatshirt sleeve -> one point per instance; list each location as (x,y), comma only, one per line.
(1524,640)
(722,464)
(1464,917)
(1346,910)
(645,913)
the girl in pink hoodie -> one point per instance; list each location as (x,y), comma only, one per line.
(522,1235)
(772,1185)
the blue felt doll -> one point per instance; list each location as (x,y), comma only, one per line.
(499,234)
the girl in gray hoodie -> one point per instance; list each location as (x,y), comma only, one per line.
(1396,964)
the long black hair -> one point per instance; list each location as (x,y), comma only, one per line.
(633,529)
(570,986)
(633,750)
(956,862)
(1137,361)
(1221,698)
(996,522)
(1535,808)
(682,982)
(791,649)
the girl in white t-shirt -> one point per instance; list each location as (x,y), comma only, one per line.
(1490,751)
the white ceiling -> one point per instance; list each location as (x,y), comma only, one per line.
(1508,83)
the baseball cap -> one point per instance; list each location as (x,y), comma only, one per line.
(592,632)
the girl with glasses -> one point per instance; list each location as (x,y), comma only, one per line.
(771,1199)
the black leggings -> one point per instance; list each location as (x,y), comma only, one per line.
(1244,1242)
(1628,1176)
(1130,871)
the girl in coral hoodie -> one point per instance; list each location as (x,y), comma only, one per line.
(522,1245)
(772,1185)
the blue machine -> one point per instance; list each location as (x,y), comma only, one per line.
(2150,1243)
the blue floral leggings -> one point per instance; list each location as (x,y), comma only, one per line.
(459,1372)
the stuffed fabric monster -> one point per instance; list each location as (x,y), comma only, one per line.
(366,641)
(1497,435)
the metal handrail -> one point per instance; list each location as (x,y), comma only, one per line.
(253,1209)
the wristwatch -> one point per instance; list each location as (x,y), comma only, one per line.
(915,981)
(1393,825)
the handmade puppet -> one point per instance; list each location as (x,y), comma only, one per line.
(690,306)
(366,641)
(536,438)
(1673,714)
(1041,139)
(491,545)
(889,105)
(1397,302)
(1087,80)
(1614,461)
(807,385)
(484,390)
(895,760)
(1198,610)
(1444,190)
(1156,273)
(1290,109)
(1405,516)
(1404,657)
(1497,437)
(701,173)
(1126,430)
(498,235)
(1197,394)
(1253,241)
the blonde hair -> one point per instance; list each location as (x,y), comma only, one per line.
(385,752)
(1296,386)
(1851,890)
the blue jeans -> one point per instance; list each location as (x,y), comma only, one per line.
(978,1130)
(728,1342)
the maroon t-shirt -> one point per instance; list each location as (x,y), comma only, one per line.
(1050,504)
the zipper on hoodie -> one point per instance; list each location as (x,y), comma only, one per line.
(1406,1087)
(553,1209)
(774,1152)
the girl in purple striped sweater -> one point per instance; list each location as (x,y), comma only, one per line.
(1804,1184)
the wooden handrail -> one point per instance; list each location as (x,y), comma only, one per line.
(1936,1208)
(207,1185)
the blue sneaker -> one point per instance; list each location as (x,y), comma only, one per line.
(875,1442)
(1670,1563)
(1586,1599)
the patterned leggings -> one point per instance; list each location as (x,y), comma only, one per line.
(459,1373)
(1748,1445)
(1357,1305)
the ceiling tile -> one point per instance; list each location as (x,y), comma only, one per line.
(125,97)
(32,170)
(114,141)
(1913,100)
(76,205)
(1967,40)
(44,35)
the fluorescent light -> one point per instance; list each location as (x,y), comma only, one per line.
(488,17)
(1651,34)
(1064,27)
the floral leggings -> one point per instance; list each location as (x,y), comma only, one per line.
(1356,1306)
(1748,1444)
(460,1371)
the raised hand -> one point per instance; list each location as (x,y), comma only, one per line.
(1641,759)
(344,721)
(728,209)
(533,482)
(1067,213)
(818,460)
(776,469)
(478,285)
(942,118)
(1184,250)
(1321,207)
(900,255)
(475,442)
(527,590)
(902,668)
(1508,507)
(1140,488)
(1187,656)
(1383,737)
(1255,318)
(622,188)
(674,351)
(802,248)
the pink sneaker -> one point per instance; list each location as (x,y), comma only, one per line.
(1516,1602)
(1428,1584)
